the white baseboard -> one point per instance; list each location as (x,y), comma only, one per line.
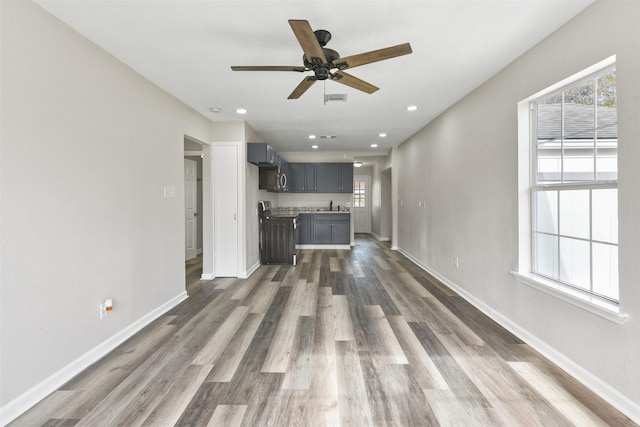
(380,238)
(252,269)
(323,246)
(22,403)
(621,402)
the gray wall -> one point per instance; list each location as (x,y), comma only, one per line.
(464,166)
(88,147)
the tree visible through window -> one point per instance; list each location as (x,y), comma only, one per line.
(575,190)
(359,190)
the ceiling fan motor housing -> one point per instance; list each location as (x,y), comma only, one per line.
(322,70)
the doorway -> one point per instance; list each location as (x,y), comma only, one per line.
(190,209)
(194,209)
(362,203)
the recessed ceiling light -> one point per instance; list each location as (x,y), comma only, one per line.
(312,137)
(314,146)
(412,108)
(215,109)
(374,145)
(357,164)
(241,111)
(382,135)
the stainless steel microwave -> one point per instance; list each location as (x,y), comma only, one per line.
(273,179)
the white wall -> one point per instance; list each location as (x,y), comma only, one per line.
(464,166)
(87,148)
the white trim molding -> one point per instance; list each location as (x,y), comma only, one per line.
(25,401)
(588,302)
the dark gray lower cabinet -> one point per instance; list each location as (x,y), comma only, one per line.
(321,230)
(324,229)
(304,233)
(340,232)
(331,229)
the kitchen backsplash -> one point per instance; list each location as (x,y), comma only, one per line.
(314,200)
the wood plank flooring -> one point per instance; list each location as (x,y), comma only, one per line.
(345,338)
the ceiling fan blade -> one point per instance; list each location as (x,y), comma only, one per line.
(267,68)
(354,82)
(302,87)
(373,56)
(308,41)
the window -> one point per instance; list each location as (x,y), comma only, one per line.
(359,191)
(574,185)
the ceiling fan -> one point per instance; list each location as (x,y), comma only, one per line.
(327,63)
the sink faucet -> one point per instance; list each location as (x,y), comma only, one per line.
(331,205)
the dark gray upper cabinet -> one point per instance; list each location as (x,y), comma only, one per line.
(310,177)
(328,177)
(347,178)
(262,154)
(321,177)
(302,177)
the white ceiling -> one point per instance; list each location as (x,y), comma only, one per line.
(187,48)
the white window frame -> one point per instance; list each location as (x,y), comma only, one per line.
(526,180)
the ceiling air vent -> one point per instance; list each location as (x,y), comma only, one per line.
(331,97)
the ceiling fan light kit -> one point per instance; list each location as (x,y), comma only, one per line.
(323,61)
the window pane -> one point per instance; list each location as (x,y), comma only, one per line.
(546,255)
(605,215)
(607,127)
(579,132)
(574,213)
(574,262)
(549,135)
(605,270)
(579,112)
(546,211)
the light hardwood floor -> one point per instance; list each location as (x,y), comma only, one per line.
(345,338)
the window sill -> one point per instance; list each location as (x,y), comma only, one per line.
(590,303)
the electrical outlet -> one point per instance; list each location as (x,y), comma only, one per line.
(456,262)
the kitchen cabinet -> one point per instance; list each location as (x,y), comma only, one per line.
(328,177)
(310,177)
(302,177)
(304,229)
(331,229)
(346,172)
(263,155)
(321,177)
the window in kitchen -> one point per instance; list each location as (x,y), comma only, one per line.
(572,181)
(359,194)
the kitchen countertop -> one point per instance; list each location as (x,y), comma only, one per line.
(293,212)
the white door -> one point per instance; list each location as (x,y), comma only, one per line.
(225,200)
(362,204)
(190,208)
